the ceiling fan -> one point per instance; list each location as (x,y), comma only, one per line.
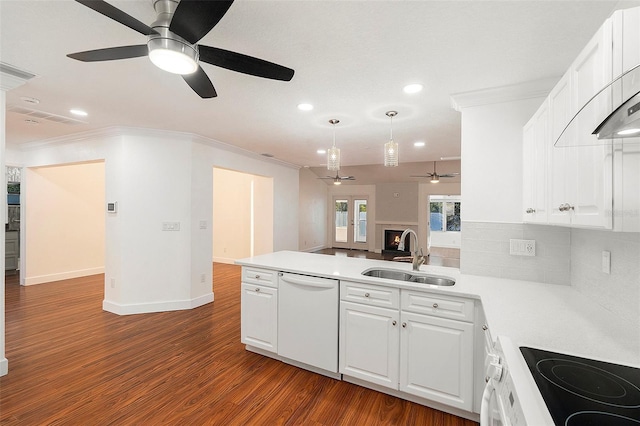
(172,42)
(337,179)
(435,177)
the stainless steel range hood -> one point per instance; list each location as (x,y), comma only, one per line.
(614,113)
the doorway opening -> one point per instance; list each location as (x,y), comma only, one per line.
(242,215)
(350,222)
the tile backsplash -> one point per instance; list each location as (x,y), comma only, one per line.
(618,291)
(485,251)
(567,256)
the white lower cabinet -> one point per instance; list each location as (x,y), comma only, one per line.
(436,359)
(259,313)
(369,343)
(424,347)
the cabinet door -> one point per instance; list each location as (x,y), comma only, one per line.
(436,360)
(560,170)
(369,343)
(535,142)
(630,38)
(259,317)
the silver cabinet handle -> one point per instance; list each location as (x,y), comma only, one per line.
(257,277)
(530,210)
(565,207)
(485,327)
(394,323)
(366,295)
(404,325)
(258,289)
(435,305)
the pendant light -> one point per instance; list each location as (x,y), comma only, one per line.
(391,148)
(333,153)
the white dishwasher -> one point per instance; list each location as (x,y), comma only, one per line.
(308,320)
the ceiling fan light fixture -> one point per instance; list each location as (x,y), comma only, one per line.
(391,147)
(337,182)
(333,153)
(172,55)
(435,179)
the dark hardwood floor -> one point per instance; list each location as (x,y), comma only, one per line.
(71,363)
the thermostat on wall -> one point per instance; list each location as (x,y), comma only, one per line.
(112,207)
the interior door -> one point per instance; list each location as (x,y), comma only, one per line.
(350,222)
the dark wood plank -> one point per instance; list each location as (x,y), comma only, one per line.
(70,362)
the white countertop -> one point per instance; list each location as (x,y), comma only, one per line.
(545,316)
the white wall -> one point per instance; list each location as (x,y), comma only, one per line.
(161,177)
(64,208)
(312,207)
(492,160)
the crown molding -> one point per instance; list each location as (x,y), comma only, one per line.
(121,131)
(509,93)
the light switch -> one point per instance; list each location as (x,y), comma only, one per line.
(606,262)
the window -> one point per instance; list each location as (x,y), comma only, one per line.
(444,215)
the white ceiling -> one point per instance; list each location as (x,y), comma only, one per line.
(351,60)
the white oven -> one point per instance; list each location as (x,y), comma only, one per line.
(511,397)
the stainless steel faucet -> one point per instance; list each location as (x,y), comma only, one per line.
(417,257)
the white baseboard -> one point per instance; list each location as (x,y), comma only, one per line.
(4,367)
(40,279)
(316,248)
(224,260)
(146,308)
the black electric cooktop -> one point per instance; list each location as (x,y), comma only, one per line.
(585,392)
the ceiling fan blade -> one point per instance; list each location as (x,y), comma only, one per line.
(348,178)
(118,15)
(245,64)
(193,19)
(111,53)
(449,175)
(422,176)
(200,83)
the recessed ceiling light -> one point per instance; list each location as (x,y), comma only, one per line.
(321,151)
(412,88)
(78,112)
(305,107)
(418,144)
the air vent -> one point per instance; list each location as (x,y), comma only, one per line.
(42,115)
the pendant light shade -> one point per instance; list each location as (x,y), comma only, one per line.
(333,153)
(391,148)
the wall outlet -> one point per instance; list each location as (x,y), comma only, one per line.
(203,277)
(170,226)
(522,247)
(203,224)
(606,262)
(113,283)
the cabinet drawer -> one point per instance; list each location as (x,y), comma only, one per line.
(437,305)
(373,295)
(259,276)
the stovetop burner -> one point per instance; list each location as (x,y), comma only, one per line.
(580,391)
(590,382)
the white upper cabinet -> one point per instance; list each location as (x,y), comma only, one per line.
(579,171)
(534,166)
(630,45)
